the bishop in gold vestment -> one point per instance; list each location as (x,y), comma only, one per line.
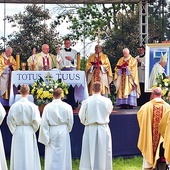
(126,80)
(7,64)
(149,116)
(164,128)
(98,68)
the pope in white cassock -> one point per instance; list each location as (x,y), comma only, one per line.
(158,69)
(23,121)
(3,165)
(57,122)
(94,113)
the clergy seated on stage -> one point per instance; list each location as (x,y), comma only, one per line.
(67,59)
(98,68)
(44,60)
(7,64)
(158,69)
(126,81)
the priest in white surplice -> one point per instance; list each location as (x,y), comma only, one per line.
(23,121)
(67,56)
(57,122)
(3,165)
(94,113)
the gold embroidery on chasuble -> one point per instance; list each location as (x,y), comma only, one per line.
(123,77)
(97,69)
(123,82)
(157,115)
(6,94)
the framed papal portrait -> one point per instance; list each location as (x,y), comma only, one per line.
(153,53)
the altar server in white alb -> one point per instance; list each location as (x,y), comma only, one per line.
(57,122)
(3,165)
(94,113)
(67,56)
(23,121)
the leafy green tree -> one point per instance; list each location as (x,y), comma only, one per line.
(119,22)
(159,21)
(32,31)
(86,19)
(83,64)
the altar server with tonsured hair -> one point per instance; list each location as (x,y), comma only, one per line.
(94,113)
(23,121)
(57,122)
(3,165)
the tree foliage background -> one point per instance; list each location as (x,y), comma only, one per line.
(32,31)
(119,24)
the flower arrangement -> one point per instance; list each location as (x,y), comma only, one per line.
(42,90)
(164,83)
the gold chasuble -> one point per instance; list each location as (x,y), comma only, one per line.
(6,66)
(164,128)
(124,82)
(50,63)
(98,69)
(149,116)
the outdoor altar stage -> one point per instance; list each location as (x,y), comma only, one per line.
(124,130)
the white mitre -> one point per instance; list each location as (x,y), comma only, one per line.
(164,57)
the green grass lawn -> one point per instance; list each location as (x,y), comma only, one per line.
(120,163)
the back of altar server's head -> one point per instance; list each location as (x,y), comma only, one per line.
(24,89)
(58,93)
(97,87)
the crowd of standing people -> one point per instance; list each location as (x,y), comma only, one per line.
(56,123)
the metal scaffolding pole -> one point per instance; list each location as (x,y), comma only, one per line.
(143,22)
(4,38)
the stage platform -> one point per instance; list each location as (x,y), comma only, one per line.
(124,130)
